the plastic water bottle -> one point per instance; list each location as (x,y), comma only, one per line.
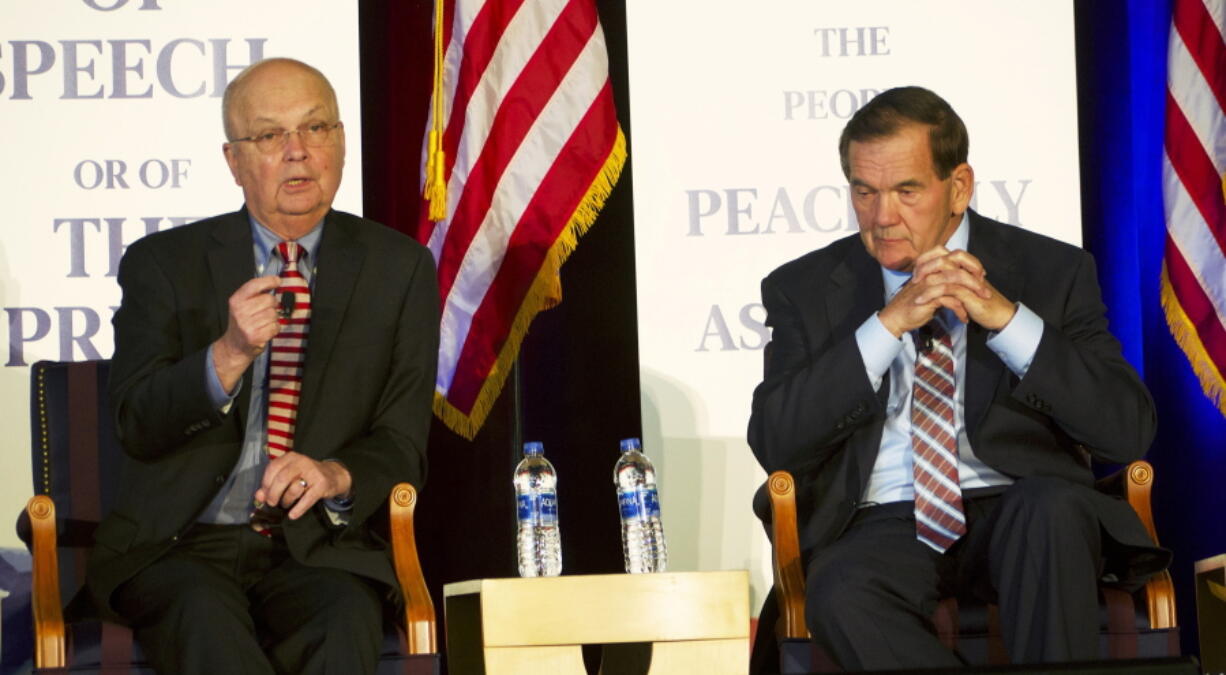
(642,532)
(536,494)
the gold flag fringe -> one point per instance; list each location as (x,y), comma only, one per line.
(1211,380)
(545,292)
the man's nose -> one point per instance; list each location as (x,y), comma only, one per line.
(886,212)
(294,148)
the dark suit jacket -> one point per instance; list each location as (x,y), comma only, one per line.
(368,381)
(816,415)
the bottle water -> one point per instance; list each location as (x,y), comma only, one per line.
(536,494)
(642,532)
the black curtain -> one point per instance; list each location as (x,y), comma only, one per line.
(579,389)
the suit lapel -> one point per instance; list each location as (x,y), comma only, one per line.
(341,256)
(857,290)
(983,368)
(231,264)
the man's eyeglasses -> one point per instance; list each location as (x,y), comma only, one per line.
(313,135)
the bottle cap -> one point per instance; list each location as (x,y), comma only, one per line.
(533,448)
(630,444)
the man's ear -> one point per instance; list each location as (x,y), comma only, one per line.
(963,179)
(231,154)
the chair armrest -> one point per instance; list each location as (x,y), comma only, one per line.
(1159,590)
(49,648)
(1134,483)
(785,540)
(1138,481)
(418,608)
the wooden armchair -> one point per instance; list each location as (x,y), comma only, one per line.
(75,455)
(1133,625)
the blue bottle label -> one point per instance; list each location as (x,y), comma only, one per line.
(628,501)
(651,502)
(638,503)
(540,508)
(549,509)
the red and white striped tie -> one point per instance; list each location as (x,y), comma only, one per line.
(939,519)
(286,353)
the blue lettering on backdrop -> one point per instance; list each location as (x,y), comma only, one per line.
(75,329)
(751,323)
(117,4)
(853,41)
(823,208)
(117,69)
(734,207)
(822,104)
(82,69)
(112,174)
(79,235)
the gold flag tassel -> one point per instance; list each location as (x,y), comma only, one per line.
(436,184)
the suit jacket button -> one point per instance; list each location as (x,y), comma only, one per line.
(220,479)
(839,426)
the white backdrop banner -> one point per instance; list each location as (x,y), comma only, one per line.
(736,109)
(111,119)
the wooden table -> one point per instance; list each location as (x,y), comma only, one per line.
(696,622)
(1211,612)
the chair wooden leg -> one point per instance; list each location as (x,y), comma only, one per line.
(1160,594)
(418,608)
(49,649)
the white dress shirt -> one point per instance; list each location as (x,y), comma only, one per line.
(1015,344)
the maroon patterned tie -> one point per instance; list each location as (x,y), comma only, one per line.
(286,353)
(939,519)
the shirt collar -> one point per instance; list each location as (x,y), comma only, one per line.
(265,240)
(958,240)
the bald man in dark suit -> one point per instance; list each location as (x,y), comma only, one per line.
(302,586)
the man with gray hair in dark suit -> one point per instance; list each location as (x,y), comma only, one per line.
(933,385)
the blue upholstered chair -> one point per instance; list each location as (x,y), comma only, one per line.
(76,460)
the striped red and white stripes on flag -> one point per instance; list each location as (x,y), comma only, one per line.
(1194,190)
(531,149)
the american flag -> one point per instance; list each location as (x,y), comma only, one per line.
(530,149)
(1194,190)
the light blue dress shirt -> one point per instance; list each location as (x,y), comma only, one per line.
(1015,344)
(233,503)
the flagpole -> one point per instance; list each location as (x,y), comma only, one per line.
(517,412)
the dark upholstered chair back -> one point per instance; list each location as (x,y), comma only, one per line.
(77,462)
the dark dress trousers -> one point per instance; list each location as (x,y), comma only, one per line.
(816,415)
(368,381)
